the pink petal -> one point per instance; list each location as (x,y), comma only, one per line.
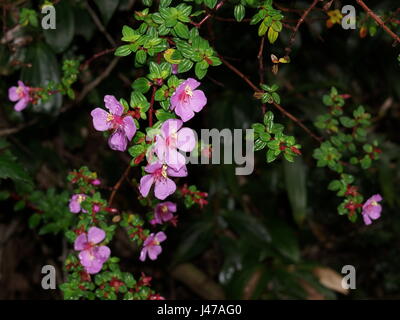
(192,83)
(198,100)
(174,159)
(113,105)
(184,111)
(154,251)
(12,94)
(80,242)
(100,122)
(118,141)
(367,220)
(186,140)
(129,127)
(102,253)
(171,126)
(145,184)
(182,172)
(96,235)
(160,236)
(143,254)
(163,188)
(152,167)
(21,105)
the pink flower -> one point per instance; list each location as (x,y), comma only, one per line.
(151,246)
(175,68)
(172,138)
(20,94)
(371,209)
(96,182)
(75,203)
(92,257)
(123,128)
(163,212)
(186,100)
(158,174)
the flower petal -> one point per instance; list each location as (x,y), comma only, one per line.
(113,105)
(102,253)
(154,251)
(163,188)
(80,242)
(100,122)
(145,184)
(129,127)
(198,100)
(171,126)
(182,172)
(174,159)
(12,94)
(186,140)
(21,105)
(96,235)
(161,236)
(184,111)
(143,254)
(118,140)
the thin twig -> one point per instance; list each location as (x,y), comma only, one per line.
(90,86)
(296,28)
(118,185)
(378,20)
(279,107)
(208,16)
(95,56)
(8,131)
(99,25)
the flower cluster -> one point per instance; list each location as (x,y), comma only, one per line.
(21,94)
(165,160)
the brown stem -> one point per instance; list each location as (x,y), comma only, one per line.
(151,106)
(279,107)
(378,20)
(118,185)
(208,16)
(296,28)
(95,56)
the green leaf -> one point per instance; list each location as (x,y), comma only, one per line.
(268,118)
(107,9)
(272,35)
(137,150)
(185,66)
(239,12)
(295,180)
(259,145)
(123,51)
(141,57)
(248,226)
(210,3)
(271,155)
(182,30)
(141,84)
(163,115)
(284,239)
(195,240)
(199,70)
(262,29)
(60,38)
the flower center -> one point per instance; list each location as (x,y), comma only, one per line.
(171,139)
(20,92)
(187,94)
(164,209)
(374,203)
(81,198)
(116,121)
